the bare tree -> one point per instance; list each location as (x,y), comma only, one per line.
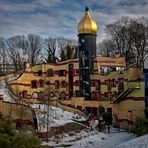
(106,48)
(35,46)
(67,48)
(17,47)
(50,47)
(130,37)
(140,40)
(3,55)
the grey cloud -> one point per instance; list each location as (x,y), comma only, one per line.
(61,16)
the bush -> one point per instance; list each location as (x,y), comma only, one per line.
(146,113)
(140,127)
(107,117)
(10,139)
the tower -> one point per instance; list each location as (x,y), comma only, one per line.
(87,29)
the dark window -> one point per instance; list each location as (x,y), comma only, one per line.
(113,83)
(77,83)
(51,95)
(50,73)
(77,93)
(57,84)
(63,95)
(41,95)
(92,82)
(48,83)
(40,73)
(97,84)
(24,93)
(34,84)
(93,96)
(146,83)
(41,83)
(63,83)
(62,72)
(109,84)
(76,72)
(120,84)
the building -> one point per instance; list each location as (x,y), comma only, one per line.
(90,83)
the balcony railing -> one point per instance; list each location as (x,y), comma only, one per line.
(133,85)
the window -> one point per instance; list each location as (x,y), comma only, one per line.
(40,73)
(62,72)
(92,82)
(50,73)
(93,95)
(63,83)
(77,82)
(41,83)
(113,83)
(97,84)
(109,85)
(41,95)
(24,93)
(63,95)
(120,85)
(77,93)
(48,83)
(76,72)
(35,95)
(57,84)
(34,84)
(51,95)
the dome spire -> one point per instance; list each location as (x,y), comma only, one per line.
(87,25)
(86,9)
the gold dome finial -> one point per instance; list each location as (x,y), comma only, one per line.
(87,24)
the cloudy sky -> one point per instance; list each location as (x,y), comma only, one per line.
(60,17)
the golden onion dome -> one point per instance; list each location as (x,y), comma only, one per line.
(87,24)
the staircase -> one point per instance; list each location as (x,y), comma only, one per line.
(130,87)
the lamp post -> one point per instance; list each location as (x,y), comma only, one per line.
(48,117)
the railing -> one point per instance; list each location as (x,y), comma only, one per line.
(70,109)
(133,85)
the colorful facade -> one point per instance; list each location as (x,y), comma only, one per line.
(91,83)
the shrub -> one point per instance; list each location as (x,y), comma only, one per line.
(10,139)
(107,117)
(146,113)
(140,127)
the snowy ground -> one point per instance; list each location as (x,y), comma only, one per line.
(57,116)
(139,142)
(4,89)
(83,139)
(5,92)
(90,139)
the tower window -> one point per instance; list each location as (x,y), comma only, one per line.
(77,82)
(93,83)
(97,84)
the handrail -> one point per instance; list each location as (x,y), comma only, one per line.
(67,108)
(133,85)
